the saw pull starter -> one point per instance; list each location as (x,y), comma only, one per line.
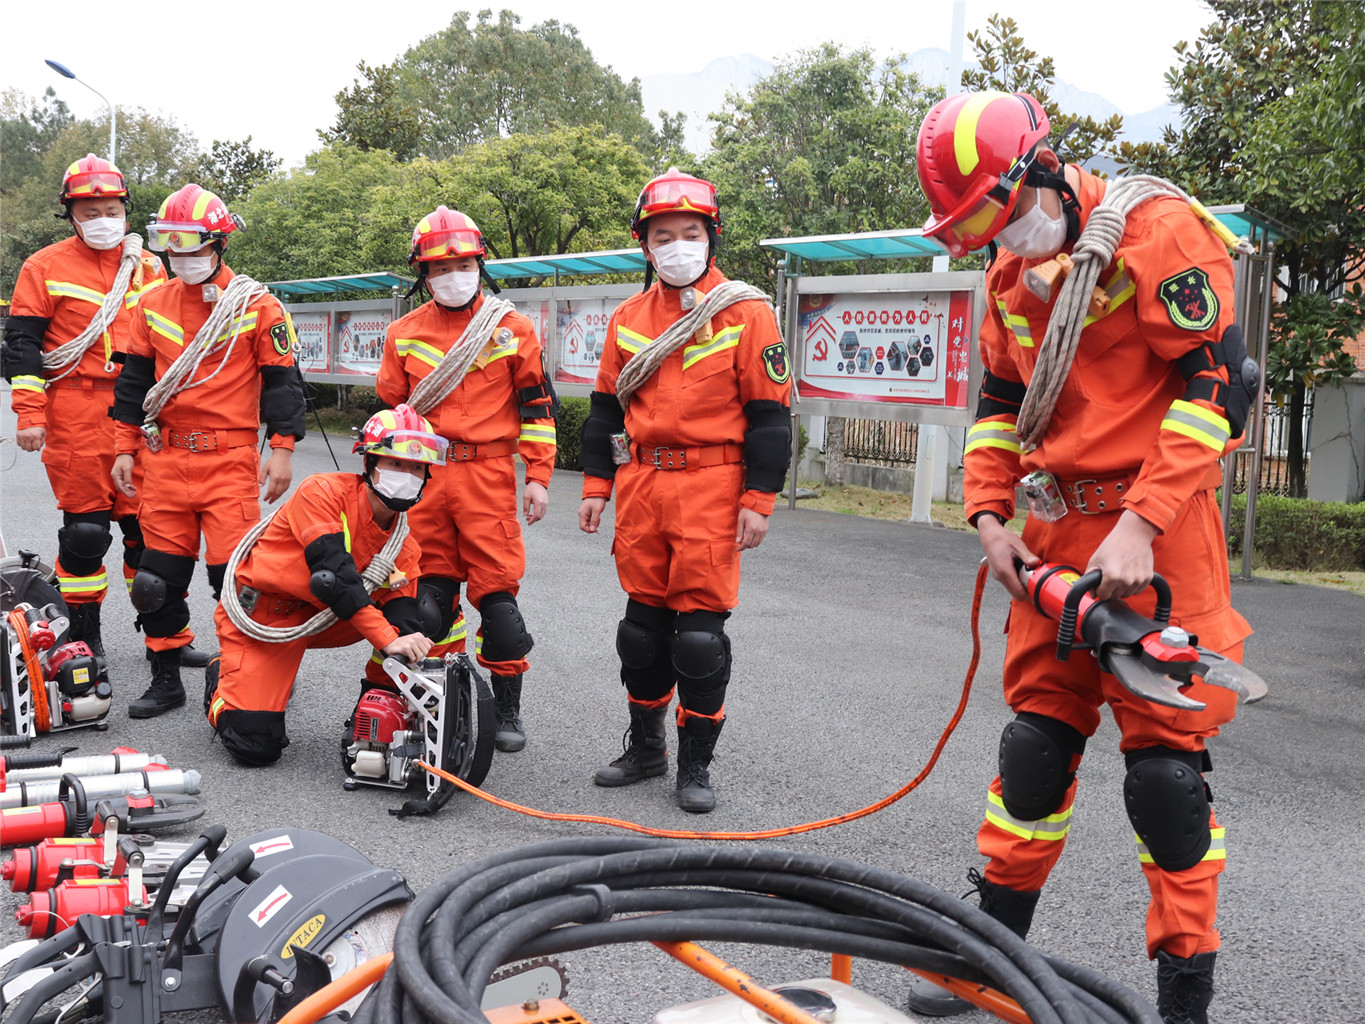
(1151,658)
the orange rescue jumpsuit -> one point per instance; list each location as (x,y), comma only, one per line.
(205,478)
(466,521)
(1121,419)
(675,529)
(256,676)
(60,288)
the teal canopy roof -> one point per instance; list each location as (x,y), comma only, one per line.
(866,245)
(347,283)
(614,261)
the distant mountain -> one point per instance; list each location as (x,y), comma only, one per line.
(703,92)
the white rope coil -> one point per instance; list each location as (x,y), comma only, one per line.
(64,359)
(223,327)
(1093,252)
(435,387)
(652,356)
(374,575)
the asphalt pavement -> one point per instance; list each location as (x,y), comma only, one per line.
(850,645)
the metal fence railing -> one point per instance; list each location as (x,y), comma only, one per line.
(1274,476)
(886,442)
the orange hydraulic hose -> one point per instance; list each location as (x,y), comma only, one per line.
(732,979)
(772,833)
(42,717)
(329,997)
(841,968)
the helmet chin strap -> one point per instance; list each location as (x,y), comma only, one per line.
(1039,176)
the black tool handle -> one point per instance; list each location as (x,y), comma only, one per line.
(1066,625)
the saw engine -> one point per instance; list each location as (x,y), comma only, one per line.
(48,685)
(440,713)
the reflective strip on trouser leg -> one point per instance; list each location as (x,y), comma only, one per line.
(1182,914)
(82,589)
(1022,853)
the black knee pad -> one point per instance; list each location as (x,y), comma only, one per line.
(254,738)
(82,542)
(638,647)
(504,631)
(158,592)
(1168,803)
(439,596)
(1035,764)
(216,574)
(404,614)
(701,650)
(133,545)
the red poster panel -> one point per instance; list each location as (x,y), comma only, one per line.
(582,335)
(314,351)
(360,340)
(897,348)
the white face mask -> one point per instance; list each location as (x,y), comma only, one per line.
(1035,234)
(103,232)
(454,289)
(680,263)
(191,269)
(394,483)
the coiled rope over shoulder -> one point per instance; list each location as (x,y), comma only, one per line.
(652,356)
(64,359)
(1094,251)
(374,575)
(436,386)
(223,327)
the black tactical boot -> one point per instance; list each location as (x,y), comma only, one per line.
(696,744)
(85,626)
(1184,987)
(511,736)
(645,746)
(191,657)
(1012,908)
(166,692)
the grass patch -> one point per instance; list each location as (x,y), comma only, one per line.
(1349,580)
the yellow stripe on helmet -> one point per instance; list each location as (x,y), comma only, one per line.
(964,132)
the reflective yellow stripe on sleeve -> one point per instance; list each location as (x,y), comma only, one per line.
(629,341)
(1204,425)
(725,339)
(420,350)
(68,290)
(538,433)
(27,383)
(1051,829)
(1018,325)
(992,434)
(164,327)
(346,532)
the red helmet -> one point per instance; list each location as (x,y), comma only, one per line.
(189,219)
(974,150)
(402,433)
(676,192)
(445,234)
(93,178)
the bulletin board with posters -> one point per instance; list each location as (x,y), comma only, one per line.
(890,347)
(359,338)
(571,321)
(314,333)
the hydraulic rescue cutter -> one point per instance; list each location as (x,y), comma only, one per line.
(1150,657)
(442,714)
(47,684)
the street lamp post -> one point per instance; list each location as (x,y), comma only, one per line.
(66,72)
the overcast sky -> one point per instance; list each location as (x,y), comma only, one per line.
(286,60)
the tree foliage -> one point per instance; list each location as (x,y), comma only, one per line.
(1270,97)
(374,115)
(1007,64)
(824,144)
(232,169)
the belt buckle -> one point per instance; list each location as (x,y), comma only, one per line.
(1077,490)
(667,458)
(464,452)
(198,441)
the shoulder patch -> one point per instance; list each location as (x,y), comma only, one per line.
(1190,300)
(280,336)
(776,363)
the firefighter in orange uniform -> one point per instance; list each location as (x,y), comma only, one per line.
(62,398)
(1159,388)
(310,556)
(488,396)
(207,359)
(697,447)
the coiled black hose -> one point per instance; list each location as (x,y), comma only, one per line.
(571,894)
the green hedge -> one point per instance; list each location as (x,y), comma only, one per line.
(1295,533)
(569,433)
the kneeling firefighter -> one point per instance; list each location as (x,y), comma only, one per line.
(334,565)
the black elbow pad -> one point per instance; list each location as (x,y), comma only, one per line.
(999,396)
(21,353)
(767,446)
(1237,396)
(335,580)
(404,614)
(605,417)
(538,401)
(282,406)
(130,389)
